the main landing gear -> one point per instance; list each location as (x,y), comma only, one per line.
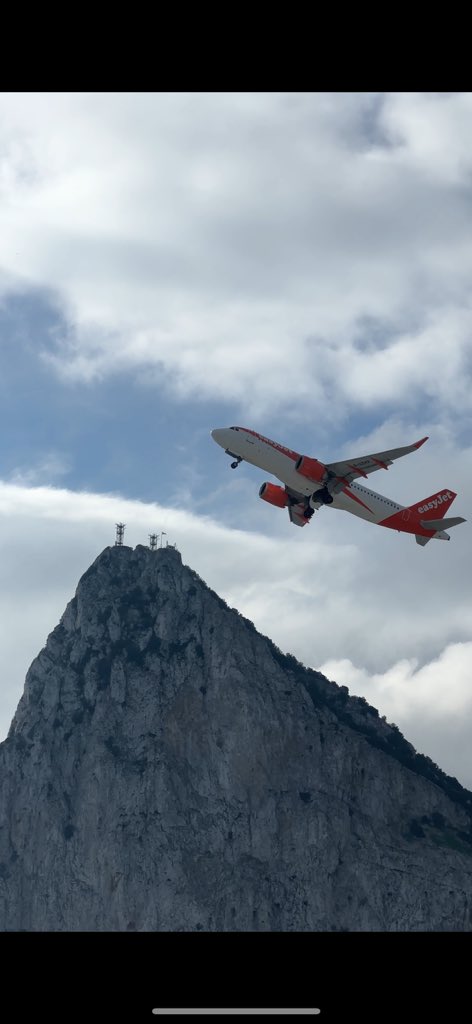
(323,496)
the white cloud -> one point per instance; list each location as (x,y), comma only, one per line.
(238,242)
(431,703)
(318,596)
(432,134)
(440,689)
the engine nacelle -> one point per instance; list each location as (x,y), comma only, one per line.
(311,469)
(274,494)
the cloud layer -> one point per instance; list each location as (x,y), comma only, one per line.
(258,247)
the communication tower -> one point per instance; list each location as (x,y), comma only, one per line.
(120,529)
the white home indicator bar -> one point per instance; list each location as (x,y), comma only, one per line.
(288,1012)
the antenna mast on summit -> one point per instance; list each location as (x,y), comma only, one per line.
(153,541)
(120,529)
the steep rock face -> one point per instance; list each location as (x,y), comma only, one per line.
(168,769)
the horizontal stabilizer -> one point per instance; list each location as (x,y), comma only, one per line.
(421,540)
(441,524)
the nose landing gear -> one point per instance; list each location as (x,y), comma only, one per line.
(237,458)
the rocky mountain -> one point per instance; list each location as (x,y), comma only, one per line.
(169,769)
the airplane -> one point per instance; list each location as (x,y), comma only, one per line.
(309,484)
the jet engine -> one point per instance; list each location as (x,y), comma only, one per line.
(311,469)
(274,494)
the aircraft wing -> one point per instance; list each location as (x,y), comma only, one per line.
(349,469)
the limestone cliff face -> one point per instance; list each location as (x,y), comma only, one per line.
(169,769)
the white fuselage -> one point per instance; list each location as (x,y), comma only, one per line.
(280,462)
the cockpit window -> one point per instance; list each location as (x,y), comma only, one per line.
(234,428)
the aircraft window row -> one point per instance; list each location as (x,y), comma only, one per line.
(385,500)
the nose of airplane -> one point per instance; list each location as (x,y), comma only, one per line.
(218,436)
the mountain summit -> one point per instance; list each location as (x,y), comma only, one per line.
(169,769)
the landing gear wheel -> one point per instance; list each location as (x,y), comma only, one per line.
(234,465)
(323,496)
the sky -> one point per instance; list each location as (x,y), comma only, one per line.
(298,263)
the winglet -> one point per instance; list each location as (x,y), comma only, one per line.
(419,443)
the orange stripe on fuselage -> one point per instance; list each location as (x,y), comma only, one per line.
(355,498)
(273,444)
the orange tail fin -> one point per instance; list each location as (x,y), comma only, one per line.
(435,506)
